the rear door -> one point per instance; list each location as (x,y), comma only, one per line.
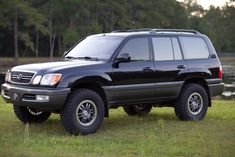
(169,64)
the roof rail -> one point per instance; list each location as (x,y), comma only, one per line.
(118,31)
(134,30)
(155,30)
(175,30)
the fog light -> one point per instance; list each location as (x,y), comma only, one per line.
(42,97)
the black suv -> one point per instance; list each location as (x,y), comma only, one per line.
(135,69)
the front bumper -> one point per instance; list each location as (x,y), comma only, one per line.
(26,96)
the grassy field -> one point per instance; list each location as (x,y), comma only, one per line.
(158,134)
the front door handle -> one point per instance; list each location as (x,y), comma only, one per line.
(181,66)
(148,69)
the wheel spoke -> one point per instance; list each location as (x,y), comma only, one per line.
(86,112)
(195,103)
(81,107)
(79,116)
(191,99)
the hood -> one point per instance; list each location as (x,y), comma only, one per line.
(54,66)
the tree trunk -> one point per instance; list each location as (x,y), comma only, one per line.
(37,39)
(50,28)
(16,37)
(59,44)
(111,20)
(97,11)
(52,48)
(71,22)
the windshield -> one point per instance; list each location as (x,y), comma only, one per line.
(98,47)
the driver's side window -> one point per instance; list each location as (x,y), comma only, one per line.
(137,48)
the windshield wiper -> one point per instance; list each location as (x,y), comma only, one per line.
(88,58)
(85,58)
(70,57)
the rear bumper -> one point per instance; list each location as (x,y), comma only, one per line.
(26,96)
(216,89)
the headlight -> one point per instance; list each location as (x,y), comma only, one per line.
(50,79)
(8,76)
(37,80)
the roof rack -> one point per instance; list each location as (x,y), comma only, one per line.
(175,30)
(155,30)
(133,30)
(118,31)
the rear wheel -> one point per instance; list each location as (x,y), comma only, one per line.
(137,109)
(30,115)
(192,102)
(83,112)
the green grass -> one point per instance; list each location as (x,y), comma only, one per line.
(158,134)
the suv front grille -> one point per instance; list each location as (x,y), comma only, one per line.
(21,77)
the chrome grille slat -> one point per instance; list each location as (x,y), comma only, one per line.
(21,77)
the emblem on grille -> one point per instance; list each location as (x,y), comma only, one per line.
(19,76)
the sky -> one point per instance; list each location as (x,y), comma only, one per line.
(206,3)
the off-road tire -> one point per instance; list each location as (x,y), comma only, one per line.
(181,107)
(133,110)
(69,115)
(25,115)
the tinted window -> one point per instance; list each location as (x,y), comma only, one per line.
(194,47)
(138,49)
(101,47)
(176,47)
(162,48)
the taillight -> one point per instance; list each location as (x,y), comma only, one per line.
(220,73)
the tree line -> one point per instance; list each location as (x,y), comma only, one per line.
(49,27)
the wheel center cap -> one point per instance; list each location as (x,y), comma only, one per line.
(195,104)
(85,112)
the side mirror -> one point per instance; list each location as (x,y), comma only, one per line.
(125,57)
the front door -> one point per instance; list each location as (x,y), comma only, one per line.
(134,80)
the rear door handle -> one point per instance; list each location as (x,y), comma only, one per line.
(148,69)
(181,66)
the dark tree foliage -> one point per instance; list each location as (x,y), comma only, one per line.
(50,27)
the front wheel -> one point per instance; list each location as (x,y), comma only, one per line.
(192,102)
(133,110)
(83,112)
(30,115)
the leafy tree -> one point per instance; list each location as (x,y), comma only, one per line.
(18,15)
(49,27)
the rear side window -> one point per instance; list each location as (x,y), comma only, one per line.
(162,48)
(166,48)
(137,48)
(194,48)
